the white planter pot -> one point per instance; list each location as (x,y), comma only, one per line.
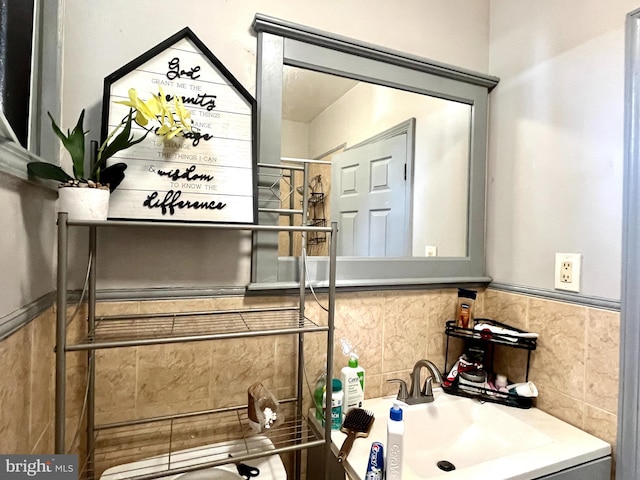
(84,203)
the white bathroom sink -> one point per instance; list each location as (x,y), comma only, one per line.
(482,441)
(464,433)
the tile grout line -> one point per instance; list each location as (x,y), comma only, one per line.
(31,379)
(136,389)
(586,357)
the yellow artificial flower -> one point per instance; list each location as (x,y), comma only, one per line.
(158,109)
(183,113)
(144,114)
(163,130)
(153,108)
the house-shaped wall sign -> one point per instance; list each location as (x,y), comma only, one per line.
(208,175)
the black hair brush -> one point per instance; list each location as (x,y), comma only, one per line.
(357,423)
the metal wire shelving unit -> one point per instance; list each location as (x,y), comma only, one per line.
(131,440)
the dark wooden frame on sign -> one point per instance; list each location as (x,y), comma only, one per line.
(217,183)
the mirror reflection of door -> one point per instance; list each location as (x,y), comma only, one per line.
(368,199)
(322,111)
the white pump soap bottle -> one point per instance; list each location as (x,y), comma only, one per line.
(352,377)
(394,447)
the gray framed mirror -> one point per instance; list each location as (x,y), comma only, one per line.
(323,96)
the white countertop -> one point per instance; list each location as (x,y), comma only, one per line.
(525,443)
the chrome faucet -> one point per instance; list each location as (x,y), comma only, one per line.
(403,394)
(426,394)
(415,395)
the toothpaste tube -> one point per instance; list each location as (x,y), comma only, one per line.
(463,364)
(375,466)
(453,374)
(466,364)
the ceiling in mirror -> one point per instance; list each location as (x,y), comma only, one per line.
(398,183)
(306,93)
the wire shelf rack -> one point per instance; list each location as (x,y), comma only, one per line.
(153,329)
(172,446)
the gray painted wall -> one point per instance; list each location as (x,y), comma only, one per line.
(99,38)
(556,138)
(555,145)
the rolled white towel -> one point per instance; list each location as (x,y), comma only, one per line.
(504,331)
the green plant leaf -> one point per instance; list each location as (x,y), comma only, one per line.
(74,143)
(122,141)
(113,175)
(48,171)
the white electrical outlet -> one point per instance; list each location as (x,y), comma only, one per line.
(567,272)
(430,251)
